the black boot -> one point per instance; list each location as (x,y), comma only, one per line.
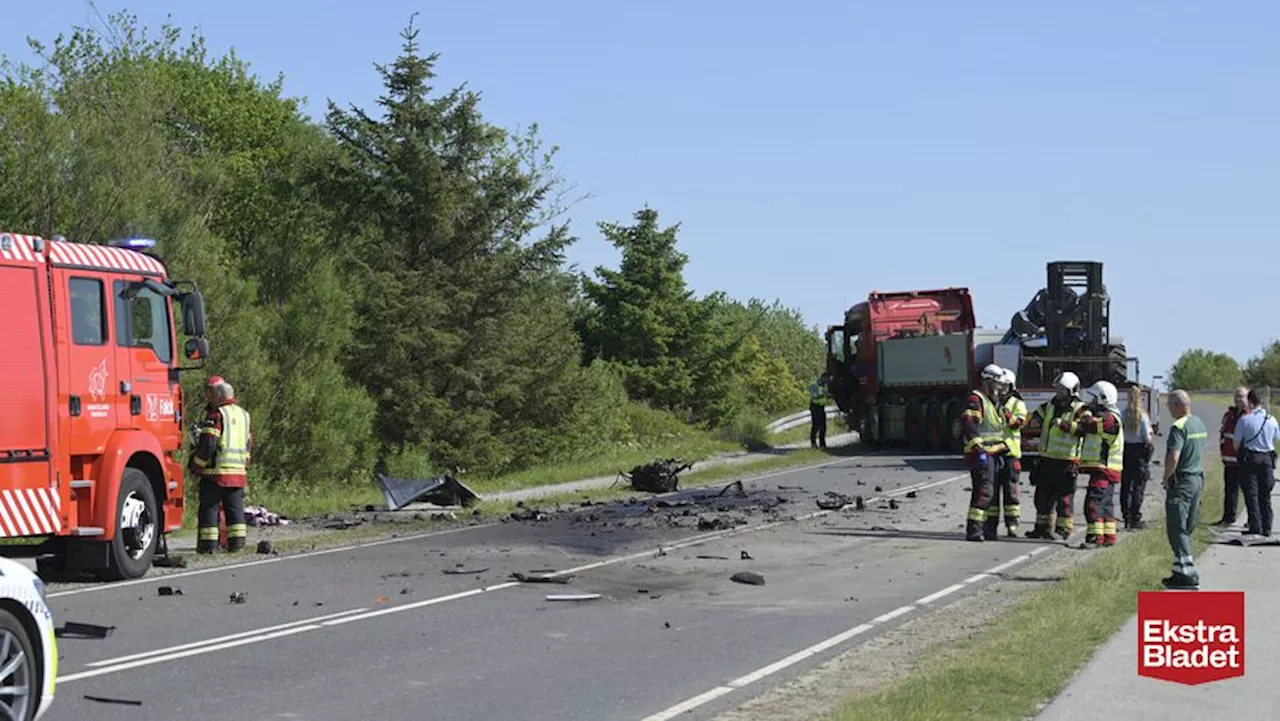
(205,547)
(974,531)
(235,543)
(991,528)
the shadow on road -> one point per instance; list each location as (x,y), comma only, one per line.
(934,465)
(878,532)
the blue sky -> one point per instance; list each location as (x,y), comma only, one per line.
(814,151)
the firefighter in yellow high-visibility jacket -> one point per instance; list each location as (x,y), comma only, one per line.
(1014,413)
(221,459)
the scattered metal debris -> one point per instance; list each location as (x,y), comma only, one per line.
(746,556)
(71,629)
(707,557)
(574,597)
(832,501)
(104,699)
(527,514)
(239,597)
(893,503)
(462,571)
(659,476)
(169,591)
(539,578)
(912,494)
(747,577)
(440,491)
(879,489)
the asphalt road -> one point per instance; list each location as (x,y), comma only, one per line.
(380,631)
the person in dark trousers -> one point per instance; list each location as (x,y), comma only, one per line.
(819,397)
(1014,413)
(1055,424)
(1138,449)
(1184,486)
(1230,462)
(222,460)
(983,425)
(1255,439)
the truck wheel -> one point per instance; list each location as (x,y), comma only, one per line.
(137,528)
(954,442)
(917,433)
(871,429)
(937,426)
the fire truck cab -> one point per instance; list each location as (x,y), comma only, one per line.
(90,403)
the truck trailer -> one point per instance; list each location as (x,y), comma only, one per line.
(902,363)
(90,403)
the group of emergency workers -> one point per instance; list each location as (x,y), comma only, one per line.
(1077,432)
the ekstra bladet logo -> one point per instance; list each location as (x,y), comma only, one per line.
(1191,637)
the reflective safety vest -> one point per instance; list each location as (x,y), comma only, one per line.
(1013,436)
(1054,442)
(991,428)
(1102,449)
(818,394)
(232,458)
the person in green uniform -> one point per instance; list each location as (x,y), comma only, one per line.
(1184,484)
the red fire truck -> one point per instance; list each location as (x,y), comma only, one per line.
(90,404)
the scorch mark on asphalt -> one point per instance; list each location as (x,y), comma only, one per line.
(435,534)
(172,653)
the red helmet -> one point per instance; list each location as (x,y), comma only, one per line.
(215,381)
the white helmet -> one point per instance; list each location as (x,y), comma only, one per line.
(993,373)
(1104,393)
(1010,379)
(1068,381)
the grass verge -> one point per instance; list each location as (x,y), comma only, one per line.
(1028,655)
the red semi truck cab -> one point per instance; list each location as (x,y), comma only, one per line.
(90,403)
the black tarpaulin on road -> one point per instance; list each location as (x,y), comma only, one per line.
(442,491)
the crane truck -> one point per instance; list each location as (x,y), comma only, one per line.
(902,363)
(90,403)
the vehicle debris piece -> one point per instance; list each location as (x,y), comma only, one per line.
(266,547)
(860,503)
(659,476)
(879,489)
(260,516)
(168,591)
(441,491)
(539,578)
(239,597)
(574,597)
(104,699)
(747,577)
(893,503)
(527,514)
(790,488)
(746,556)
(912,494)
(460,571)
(832,501)
(71,629)
(741,492)
(713,558)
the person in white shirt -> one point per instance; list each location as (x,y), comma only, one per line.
(1138,449)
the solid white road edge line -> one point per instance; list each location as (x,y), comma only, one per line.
(817,648)
(372,544)
(265,634)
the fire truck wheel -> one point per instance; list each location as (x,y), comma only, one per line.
(137,527)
